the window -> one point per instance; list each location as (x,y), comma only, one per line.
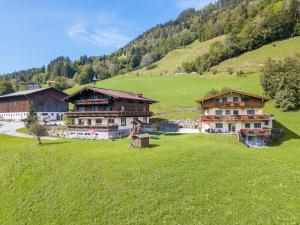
(235,99)
(227,112)
(80,122)
(145,120)
(257,125)
(246,99)
(122,108)
(81,108)
(123,121)
(266,123)
(95,97)
(219,112)
(247,125)
(108,108)
(217,99)
(111,121)
(224,99)
(95,108)
(99,121)
(251,112)
(219,125)
(236,112)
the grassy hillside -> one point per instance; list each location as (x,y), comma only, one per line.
(180,91)
(254,60)
(175,58)
(248,62)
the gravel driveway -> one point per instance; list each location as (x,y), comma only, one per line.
(9,128)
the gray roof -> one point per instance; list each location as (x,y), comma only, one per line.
(24,93)
(142,135)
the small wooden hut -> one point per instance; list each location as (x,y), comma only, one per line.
(141,140)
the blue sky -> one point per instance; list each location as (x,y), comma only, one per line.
(34,32)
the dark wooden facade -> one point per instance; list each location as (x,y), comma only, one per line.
(43,100)
(97,102)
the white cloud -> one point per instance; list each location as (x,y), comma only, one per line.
(76,30)
(104,31)
(197,4)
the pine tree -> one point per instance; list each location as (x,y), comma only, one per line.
(32,116)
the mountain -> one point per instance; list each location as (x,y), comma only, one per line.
(232,17)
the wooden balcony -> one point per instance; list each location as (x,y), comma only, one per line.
(209,118)
(95,128)
(109,114)
(262,132)
(91,102)
(249,104)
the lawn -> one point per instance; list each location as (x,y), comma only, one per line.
(181,179)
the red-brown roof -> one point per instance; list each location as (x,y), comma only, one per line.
(236,92)
(115,94)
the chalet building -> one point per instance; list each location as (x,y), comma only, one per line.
(237,112)
(48,103)
(105,114)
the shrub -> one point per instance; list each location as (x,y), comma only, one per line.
(38,131)
(230,70)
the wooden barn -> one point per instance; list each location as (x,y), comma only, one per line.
(48,103)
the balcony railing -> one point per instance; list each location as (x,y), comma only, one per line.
(266,131)
(236,117)
(232,104)
(109,114)
(112,127)
(91,102)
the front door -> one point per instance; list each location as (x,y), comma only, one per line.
(231,127)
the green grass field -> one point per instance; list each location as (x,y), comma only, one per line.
(181,179)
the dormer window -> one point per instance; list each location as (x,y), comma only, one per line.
(246,99)
(235,99)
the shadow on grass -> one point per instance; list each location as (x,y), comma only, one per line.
(153,145)
(53,143)
(287,134)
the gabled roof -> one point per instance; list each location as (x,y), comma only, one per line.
(113,93)
(29,92)
(235,92)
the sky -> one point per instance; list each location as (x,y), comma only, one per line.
(33,32)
